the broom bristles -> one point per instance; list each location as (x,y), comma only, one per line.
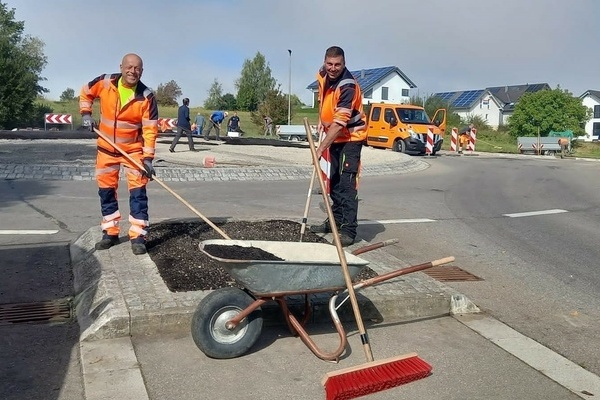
(375,376)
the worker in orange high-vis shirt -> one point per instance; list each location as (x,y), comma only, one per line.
(344,122)
(128,116)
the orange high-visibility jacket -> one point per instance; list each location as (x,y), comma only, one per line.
(341,103)
(134,127)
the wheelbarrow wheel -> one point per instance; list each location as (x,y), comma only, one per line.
(208,324)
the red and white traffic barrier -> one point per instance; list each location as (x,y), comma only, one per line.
(454,139)
(429,144)
(472,140)
(63,119)
(325,165)
(167,124)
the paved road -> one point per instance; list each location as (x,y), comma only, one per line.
(527,276)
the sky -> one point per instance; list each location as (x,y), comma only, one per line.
(440,45)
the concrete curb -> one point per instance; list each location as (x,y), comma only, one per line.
(119,294)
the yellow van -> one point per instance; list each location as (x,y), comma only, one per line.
(404,127)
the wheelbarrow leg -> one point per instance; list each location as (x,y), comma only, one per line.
(296,326)
(234,322)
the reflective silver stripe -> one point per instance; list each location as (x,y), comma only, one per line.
(355,119)
(344,82)
(149,122)
(127,125)
(138,222)
(148,150)
(86,89)
(107,170)
(132,171)
(357,128)
(107,81)
(106,121)
(85,104)
(147,92)
(137,229)
(110,217)
(126,139)
(340,122)
(110,224)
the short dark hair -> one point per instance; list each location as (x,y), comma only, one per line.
(335,51)
(186,101)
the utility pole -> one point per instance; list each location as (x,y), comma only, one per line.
(290,91)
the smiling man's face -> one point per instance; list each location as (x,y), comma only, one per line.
(132,68)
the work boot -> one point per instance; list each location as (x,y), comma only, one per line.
(138,245)
(322,228)
(107,242)
(346,240)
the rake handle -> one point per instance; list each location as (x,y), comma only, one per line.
(340,250)
(161,183)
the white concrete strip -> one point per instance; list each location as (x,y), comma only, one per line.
(395,221)
(111,370)
(556,367)
(28,231)
(534,213)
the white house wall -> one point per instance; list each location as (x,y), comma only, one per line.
(490,113)
(590,102)
(395,84)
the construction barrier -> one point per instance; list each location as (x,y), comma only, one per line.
(472,140)
(454,139)
(429,144)
(167,124)
(62,119)
(325,166)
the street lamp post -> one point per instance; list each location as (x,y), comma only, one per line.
(290,91)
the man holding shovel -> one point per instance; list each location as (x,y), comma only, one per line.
(342,117)
(129,117)
(215,120)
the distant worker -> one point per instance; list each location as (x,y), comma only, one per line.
(199,121)
(215,120)
(129,116)
(268,125)
(564,146)
(342,117)
(464,136)
(234,124)
(183,126)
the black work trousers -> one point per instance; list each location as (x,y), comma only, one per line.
(345,169)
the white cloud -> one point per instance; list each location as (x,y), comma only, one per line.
(441,45)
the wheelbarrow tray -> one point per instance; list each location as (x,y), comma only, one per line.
(306,267)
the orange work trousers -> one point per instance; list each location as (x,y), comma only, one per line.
(108,167)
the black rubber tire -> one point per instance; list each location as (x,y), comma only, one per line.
(208,324)
(399,146)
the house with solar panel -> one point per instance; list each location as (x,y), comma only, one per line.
(378,85)
(493,105)
(591,99)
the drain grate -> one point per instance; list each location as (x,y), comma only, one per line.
(43,312)
(451,274)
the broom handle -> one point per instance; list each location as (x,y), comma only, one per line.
(161,183)
(341,254)
(308,197)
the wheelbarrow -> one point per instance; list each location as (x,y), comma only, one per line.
(228,321)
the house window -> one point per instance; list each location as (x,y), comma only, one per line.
(368,94)
(596,111)
(376,114)
(596,129)
(384,93)
(405,93)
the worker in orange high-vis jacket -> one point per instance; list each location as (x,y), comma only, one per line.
(344,122)
(128,116)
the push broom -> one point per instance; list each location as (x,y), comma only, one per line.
(373,376)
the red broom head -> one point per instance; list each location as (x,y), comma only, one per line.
(376,376)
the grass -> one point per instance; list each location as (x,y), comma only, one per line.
(487,140)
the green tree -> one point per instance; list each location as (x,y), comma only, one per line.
(68,95)
(214,101)
(22,60)
(274,105)
(548,110)
(168,93)
(254,83)
(229,102)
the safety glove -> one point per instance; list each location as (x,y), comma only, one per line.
(148,168)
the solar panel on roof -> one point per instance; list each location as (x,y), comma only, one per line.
(466,98)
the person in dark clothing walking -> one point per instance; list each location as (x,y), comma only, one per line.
(183,126)
(342,117)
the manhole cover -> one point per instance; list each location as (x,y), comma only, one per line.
(450,274)
(42,312)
